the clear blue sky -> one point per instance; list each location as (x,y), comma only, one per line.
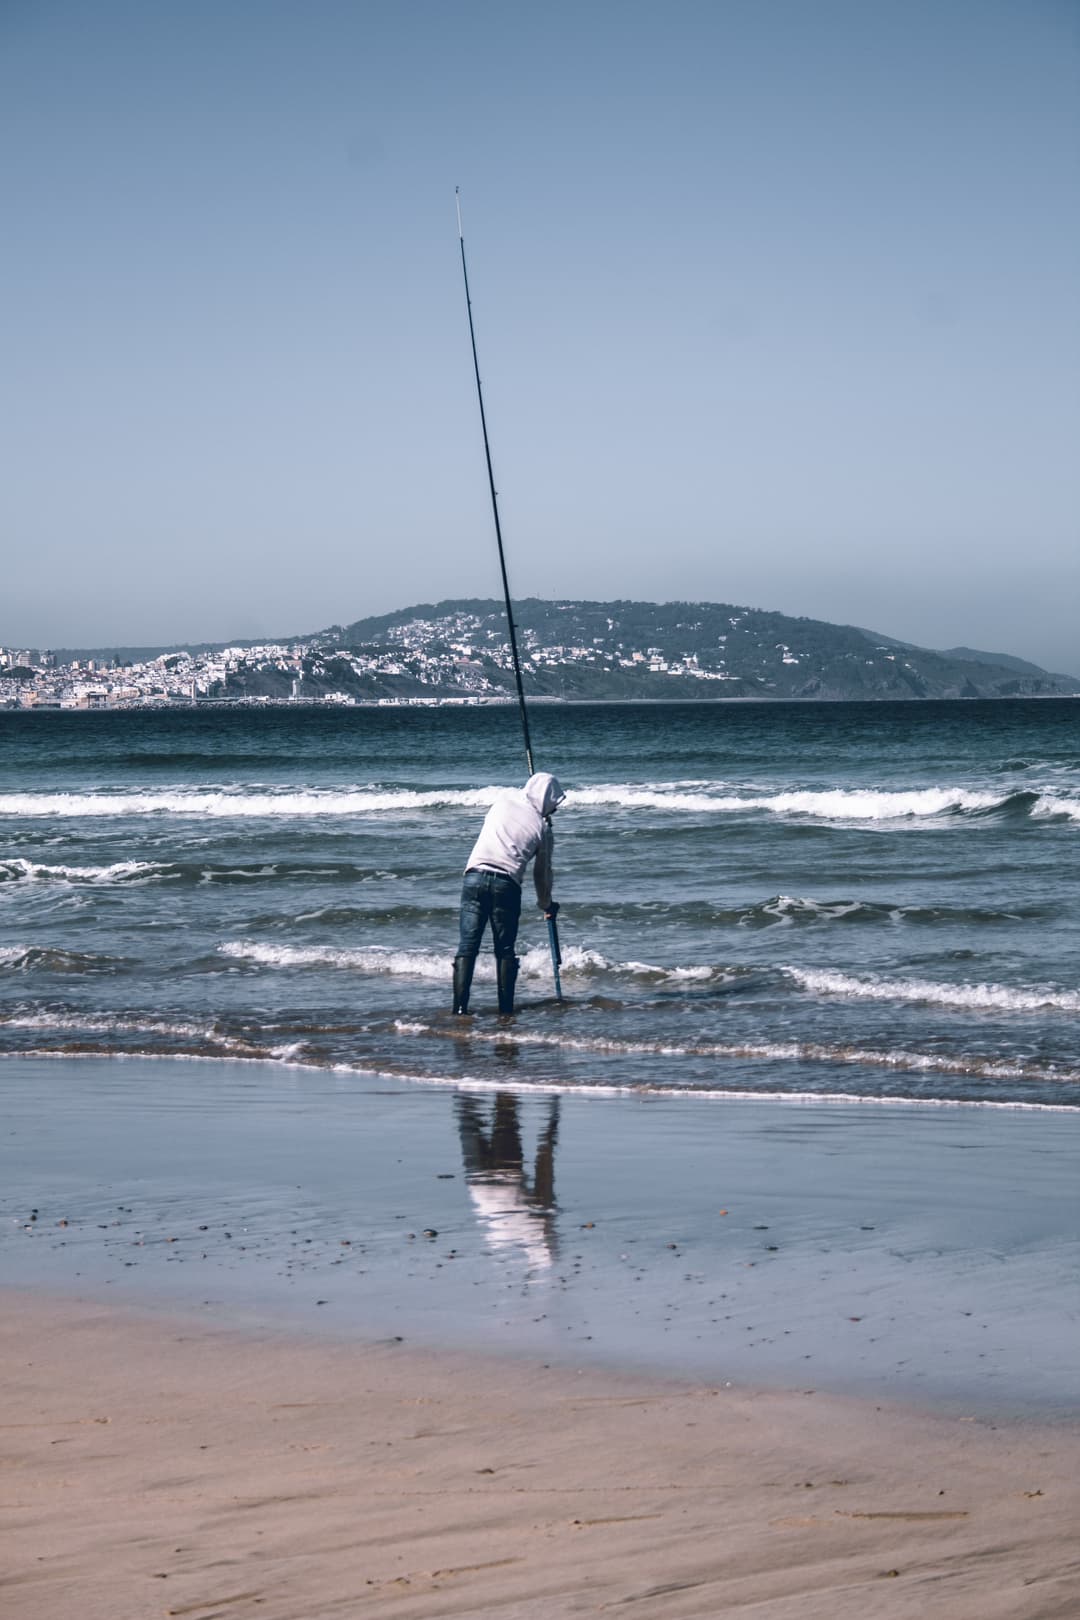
(777,303)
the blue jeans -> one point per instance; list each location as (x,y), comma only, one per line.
(489,897)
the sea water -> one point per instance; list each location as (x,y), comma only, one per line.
(839,901)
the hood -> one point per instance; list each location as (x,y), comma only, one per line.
(544,793)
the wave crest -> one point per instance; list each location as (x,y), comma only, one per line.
(375,959)
(707,798)
(242,802)
(28,958)
(18,869)
(965,997)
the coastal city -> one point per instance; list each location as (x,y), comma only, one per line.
(277,673)
(457,657)
(460,653)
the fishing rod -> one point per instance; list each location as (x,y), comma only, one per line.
(553,927)
(495,500)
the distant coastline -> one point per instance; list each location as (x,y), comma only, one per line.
(458,652)
(278,705)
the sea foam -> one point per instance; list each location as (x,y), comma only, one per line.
(399,963)
(966,997)
(829,804)
(42,871)
(966,1065)
(242,802)
(254,801)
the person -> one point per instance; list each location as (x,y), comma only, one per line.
(516,830)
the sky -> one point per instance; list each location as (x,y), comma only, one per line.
(777,303)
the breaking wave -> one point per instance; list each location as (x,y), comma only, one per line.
(535,963)
(579,962)
(966,997)
(18,869)
(786,910)
(833,804)
(829,804)
(27,958)
(231,803)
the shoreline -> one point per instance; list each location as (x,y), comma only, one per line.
(542,699)
(629,1091)
(157,1465)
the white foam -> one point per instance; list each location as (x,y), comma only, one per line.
(555,1088)
(649,970)
(974,997)
(732,1095)
(241,802)
(896,1058)
(830,804)
(407,964)
(787,906)
(119,1024)
(1052,804)
(868,804)
(118,872)
(397,963)
(435,965)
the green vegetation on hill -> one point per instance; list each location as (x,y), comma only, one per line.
(598,650)
(625,649)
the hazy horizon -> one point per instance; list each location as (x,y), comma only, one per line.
(776,304)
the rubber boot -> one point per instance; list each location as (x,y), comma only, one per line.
(506,970)
(463,972)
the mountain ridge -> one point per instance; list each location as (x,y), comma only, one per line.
(618,649)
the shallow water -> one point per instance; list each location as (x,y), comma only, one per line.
(870,901)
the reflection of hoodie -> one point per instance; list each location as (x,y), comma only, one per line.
(508,1219)
(515,829)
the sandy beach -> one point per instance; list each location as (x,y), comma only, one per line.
(158,1467)
(327,1347)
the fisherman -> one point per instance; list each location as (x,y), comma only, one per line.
(516,828)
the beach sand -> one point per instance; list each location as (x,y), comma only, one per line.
(682,1359)
(155,1466)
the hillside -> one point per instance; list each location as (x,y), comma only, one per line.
(589,650)
(624,649)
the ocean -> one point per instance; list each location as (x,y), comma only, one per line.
(877,902)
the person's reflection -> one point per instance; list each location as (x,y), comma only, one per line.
(514,1211)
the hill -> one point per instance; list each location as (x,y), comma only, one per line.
(603,650)
(696,649)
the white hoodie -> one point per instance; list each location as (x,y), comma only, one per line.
(515,829)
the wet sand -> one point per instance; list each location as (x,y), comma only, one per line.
(923,1254)
(300,1345)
